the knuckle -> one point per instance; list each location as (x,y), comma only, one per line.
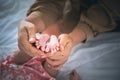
(26,24)
(31,26)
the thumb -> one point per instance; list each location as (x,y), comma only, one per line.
(64,41)
(61,41)
(31,30)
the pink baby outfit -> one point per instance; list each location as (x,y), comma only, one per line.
(31,70)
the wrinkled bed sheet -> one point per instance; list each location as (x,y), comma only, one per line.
(97,59)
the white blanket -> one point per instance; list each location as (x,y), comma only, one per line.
(11,13)
(97,59)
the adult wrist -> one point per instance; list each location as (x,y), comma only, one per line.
(77,35)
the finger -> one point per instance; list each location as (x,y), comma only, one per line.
(31,30)
(57,67)
(67,46)
(55,62)
(50,62)
(32,39)
(58,55)
(49,54)
(25,45)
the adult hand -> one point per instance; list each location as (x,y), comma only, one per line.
(26,36)
(57,59)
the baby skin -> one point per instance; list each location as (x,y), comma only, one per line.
(46,43)
(51,44)
(35,66)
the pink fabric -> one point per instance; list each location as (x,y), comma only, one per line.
(31,70)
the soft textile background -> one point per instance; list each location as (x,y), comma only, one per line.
(11,12)
(97,59)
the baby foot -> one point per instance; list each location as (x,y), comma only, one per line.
(53,44)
